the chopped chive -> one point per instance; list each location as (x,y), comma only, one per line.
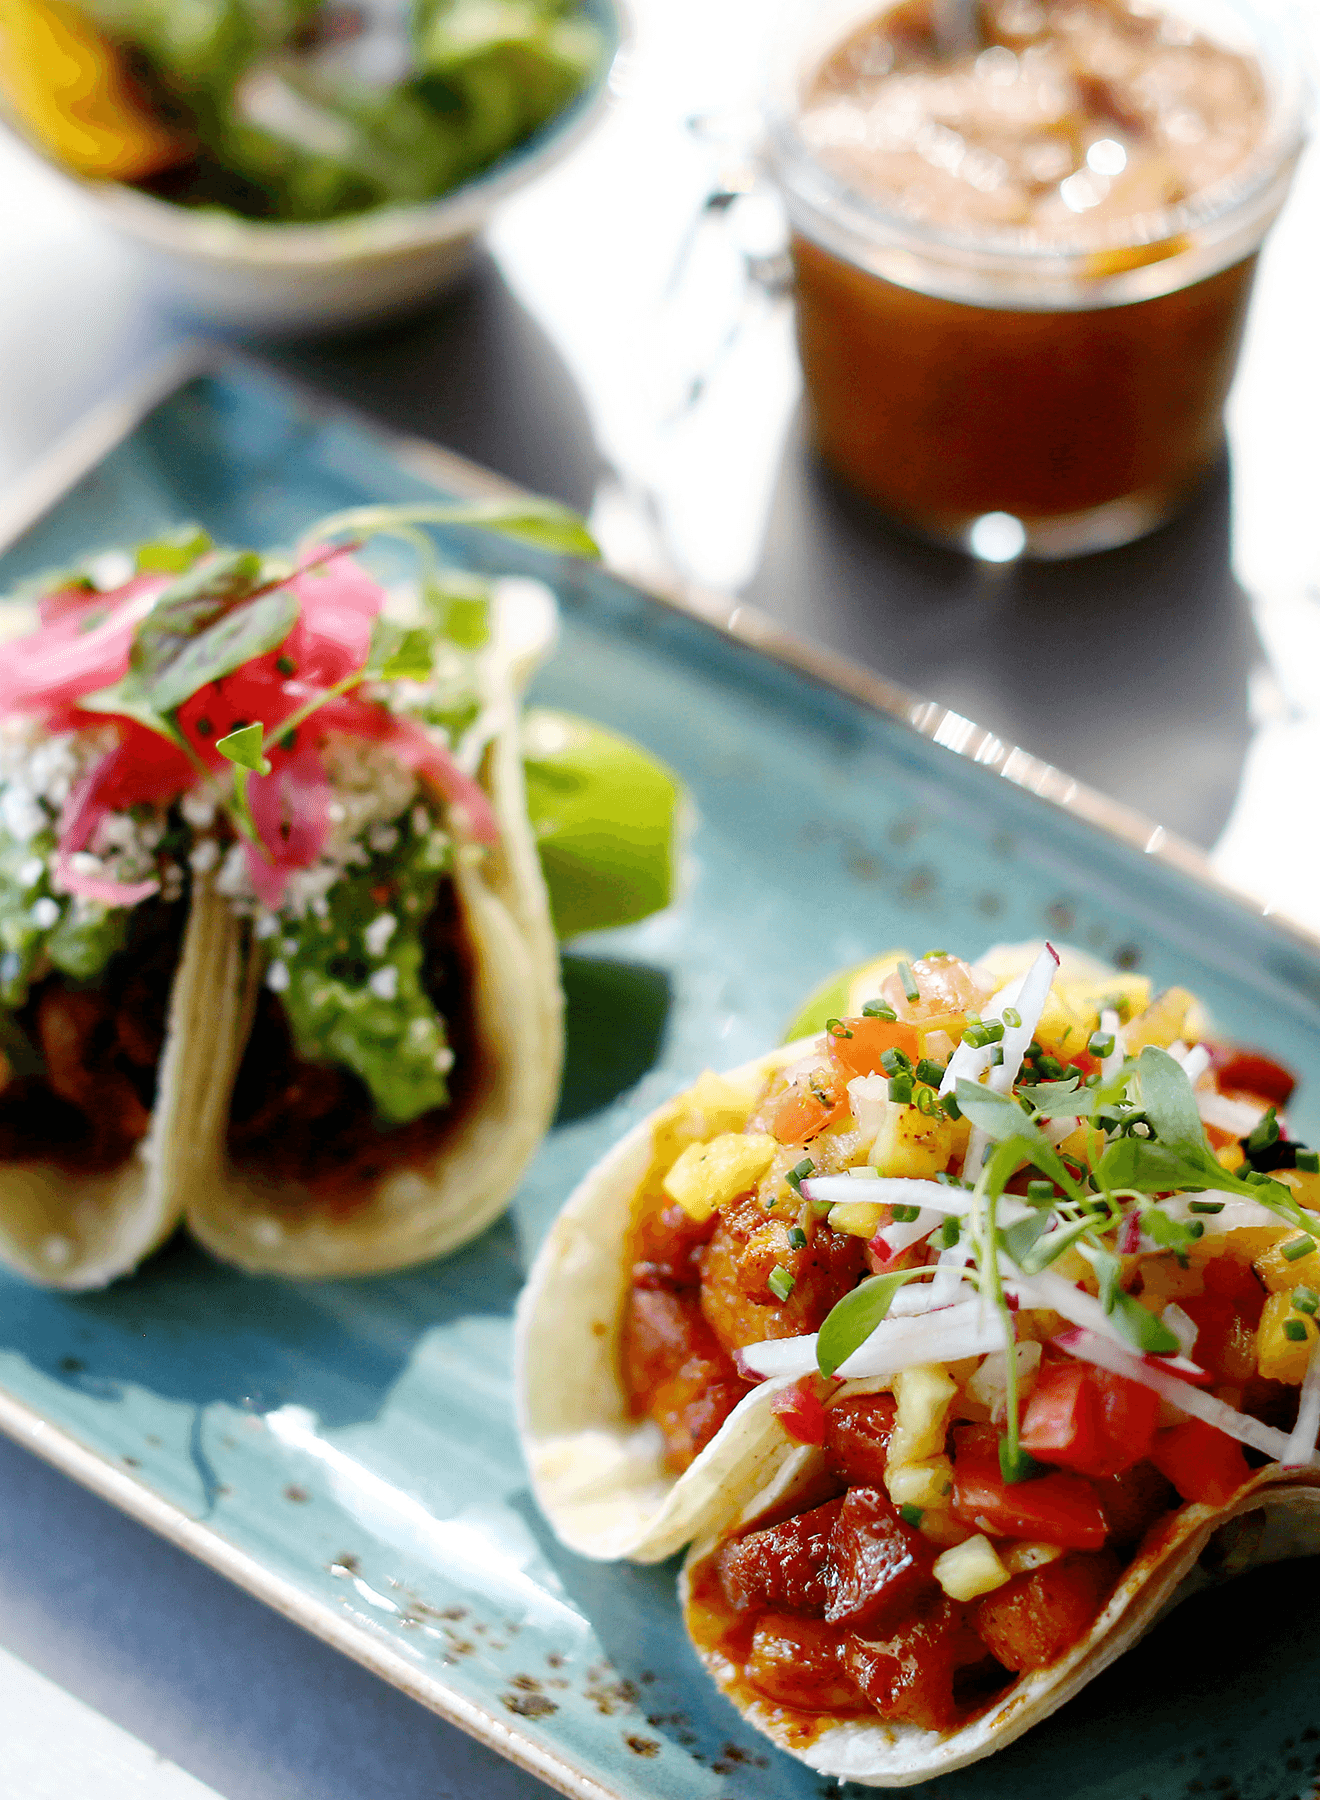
(797,1238)
(798,1174)
(876,1009)
(1051,1066)
(1013,1017)
(286,665)
(1305,1300)
(821,1209)
(997,1057)
(1205,1206)
(911,1515)
(1040,1190)
(1294,1330)
(950,1232)
(896,1062)
(1093,1079)
(928,1102)
(1101,1044)
(909,981)
(900,1090)
(951,1107)
(780,1282)
(1308,1161)
(1297,1248)
(995,1027)
(1194,1228)
(930,1072)
(905,1215)
(837,1028)
(976,1037)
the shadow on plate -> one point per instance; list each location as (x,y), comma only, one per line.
(615,1016)
(476,374)
(1128,668)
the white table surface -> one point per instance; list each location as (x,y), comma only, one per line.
(1181,674)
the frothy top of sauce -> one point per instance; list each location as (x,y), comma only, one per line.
(1069,119)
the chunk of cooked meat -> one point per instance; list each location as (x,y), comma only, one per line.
(912,1673)
(676,1371)
(1032,1620)
(797,1662)
(878,1565)
(857,1434)
(784,1566)
(736,1266)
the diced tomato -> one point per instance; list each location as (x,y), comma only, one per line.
(1226,1316)
(1202,1463)
(878,1565)
(800,1412)
(1032,1620)
(1054,1509)
(1062,1422)
(857,1434)
(860,1054)
(1249,1071)
(1089,1419)
(783,1567)
(807,1108)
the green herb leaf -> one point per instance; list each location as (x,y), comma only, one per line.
(1020,1239)
(1169,1102)
(127,699)
(1141,1328)
(397,653)
(856,1316)
(174,553)
(1062,1100)
(998,1115)
(244,748)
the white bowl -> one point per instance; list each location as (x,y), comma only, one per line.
(258,276)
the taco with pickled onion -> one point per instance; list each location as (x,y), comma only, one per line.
(285,810)
(1014,1258)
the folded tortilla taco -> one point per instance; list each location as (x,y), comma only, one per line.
(1023,1265)
(296,816)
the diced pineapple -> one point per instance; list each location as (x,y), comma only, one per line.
(927,1484)
(708,1176)
(943,1529)
(1019,1558)
(1163,1022)
(1090,995)
(858,1218)
(913,1144)
(969,1570)
(1280,1274)
(712,1105)
(1279,1355)
(1304,1184)
(1078,1144)
(924,1394)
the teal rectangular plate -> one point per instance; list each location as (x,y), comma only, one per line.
(346,1451)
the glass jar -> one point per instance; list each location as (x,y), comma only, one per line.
(1008,390)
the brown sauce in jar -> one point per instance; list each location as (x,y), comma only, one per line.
(1069,132)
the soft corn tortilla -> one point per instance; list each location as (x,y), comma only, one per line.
(416,1212)
(1274,1517)
(598,1473)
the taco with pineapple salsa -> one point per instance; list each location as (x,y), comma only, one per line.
(277,951)
(958,1337)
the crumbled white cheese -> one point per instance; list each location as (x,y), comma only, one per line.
(384,983)
(378,934)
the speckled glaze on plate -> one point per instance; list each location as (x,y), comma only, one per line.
(346,1451)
